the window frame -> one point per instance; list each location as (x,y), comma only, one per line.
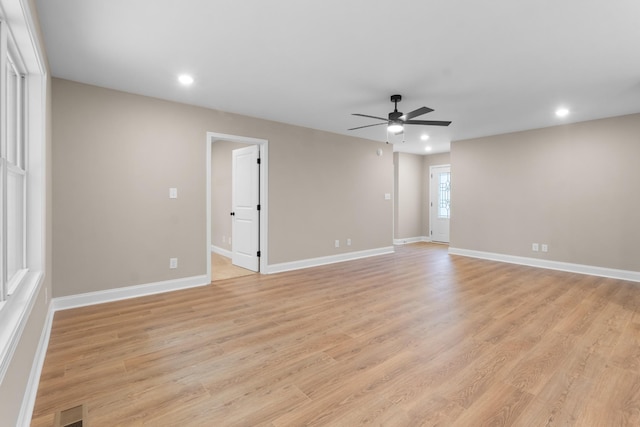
(19,37)
(9,284)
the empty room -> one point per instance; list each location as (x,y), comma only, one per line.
(319,213)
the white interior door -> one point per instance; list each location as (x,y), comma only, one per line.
(440,202)
(245,201)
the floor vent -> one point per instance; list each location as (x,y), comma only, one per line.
(72,417)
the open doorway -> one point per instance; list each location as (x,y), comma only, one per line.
(222,230)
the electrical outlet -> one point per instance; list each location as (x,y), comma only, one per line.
(544,247)
(348,242)
(337,243)
(534,247)
(173,262)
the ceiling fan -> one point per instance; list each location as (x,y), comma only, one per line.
(397,119)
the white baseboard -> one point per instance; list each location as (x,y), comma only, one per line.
(408,240)
(221,251)
(314,262)
(109,295)
(633,276)
(29,399)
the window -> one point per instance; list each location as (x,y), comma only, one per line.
(13,175)
(23,208)
(444,195)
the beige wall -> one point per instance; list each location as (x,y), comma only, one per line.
(14,384)
(409,194)
(116,155)
(221,192)
(573,187)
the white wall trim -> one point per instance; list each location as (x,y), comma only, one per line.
(221,251)
(315,262)
(117,294)
(633,276)
(408,240)
(29,399)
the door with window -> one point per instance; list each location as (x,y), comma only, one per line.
(440,202)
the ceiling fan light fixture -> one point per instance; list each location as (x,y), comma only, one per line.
(395,128)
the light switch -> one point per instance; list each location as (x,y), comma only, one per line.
(173,193)
(387,196)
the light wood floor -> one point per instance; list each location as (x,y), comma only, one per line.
(222,268)
(414,338)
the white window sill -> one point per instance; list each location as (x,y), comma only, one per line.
(14,313)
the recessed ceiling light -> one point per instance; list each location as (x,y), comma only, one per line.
(185,79)
(427,148)
(424,137)
(562,112)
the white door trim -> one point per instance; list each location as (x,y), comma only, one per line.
(264,196)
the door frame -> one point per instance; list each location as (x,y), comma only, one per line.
(432,200)
(263,145)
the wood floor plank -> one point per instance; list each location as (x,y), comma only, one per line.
(329,404)
(470,383)
(626,354)
(614,400)
(562,399)
(540,363)
(414,338)
(501,405)
(432,410)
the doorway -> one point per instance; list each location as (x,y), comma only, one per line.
(439,202)
(261,226)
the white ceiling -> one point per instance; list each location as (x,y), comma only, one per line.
(489,66)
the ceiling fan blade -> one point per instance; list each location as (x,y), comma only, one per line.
(371,117)
(427,122)
(367,126)
(415,113)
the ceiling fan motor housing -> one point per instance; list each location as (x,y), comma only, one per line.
(395,116)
